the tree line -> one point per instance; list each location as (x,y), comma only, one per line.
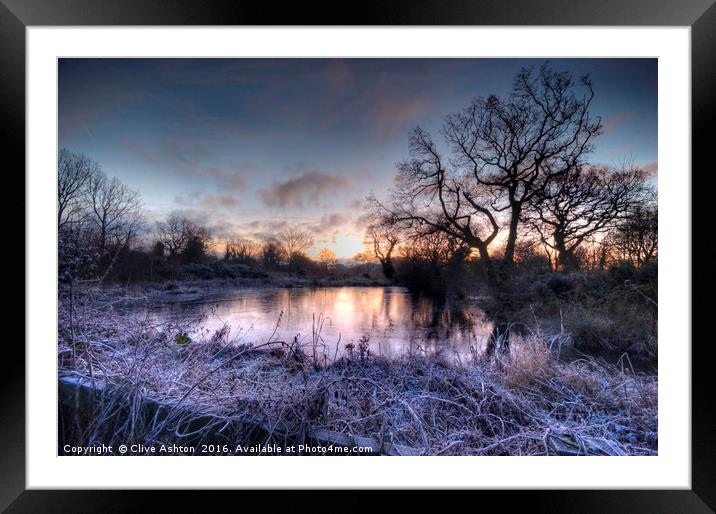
(101,229)
(512,181)
(509,185)
(97,217)
(286,250)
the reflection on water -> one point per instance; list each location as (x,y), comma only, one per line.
(394,320)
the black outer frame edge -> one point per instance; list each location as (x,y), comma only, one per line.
(547,502)
(12,140)
(368,12)
(703,112)
(452,12)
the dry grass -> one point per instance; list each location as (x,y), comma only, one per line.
(524,403)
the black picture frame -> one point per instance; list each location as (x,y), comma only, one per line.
(700,15)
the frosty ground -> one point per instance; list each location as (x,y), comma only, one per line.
(173,383)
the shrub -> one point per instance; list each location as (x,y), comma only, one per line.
(200,270)
(618,327)
(561,285)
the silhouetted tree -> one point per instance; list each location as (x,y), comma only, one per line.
(114,212)
(382,240)
(241,250)
(530,252)
(97,218)
(637,235)
(271,253)
(515,146)
(431,195)
(158,249)
(196,248)
(581,206)
(437,248)
(74,172)
(294,243)
(433,263)
(183,239)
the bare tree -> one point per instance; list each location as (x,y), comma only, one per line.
(74,173)
(437,249)
(382,241)
(582,206)
(114,211)
(515,146)
(432,196)
(96,216)
(176,234)
(241,250)
(294,243)
(637,235)
(271,253)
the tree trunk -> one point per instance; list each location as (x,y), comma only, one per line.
(490,272)
(512,235)
(566,260)
(102,241)
(388,268)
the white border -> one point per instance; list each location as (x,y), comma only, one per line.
(672,466)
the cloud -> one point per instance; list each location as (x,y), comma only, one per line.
(227,180)
(333,219)
(189,198)
(310,187)
(222,201)
(329,226)
(261,229)
(209,203)
(324,229)
(186,159)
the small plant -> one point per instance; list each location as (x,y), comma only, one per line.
(363,347)
(350,348)
(182,339)
(221,334)
(361,351)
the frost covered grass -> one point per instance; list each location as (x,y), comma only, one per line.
(172,383)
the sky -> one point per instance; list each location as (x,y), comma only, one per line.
(249,147)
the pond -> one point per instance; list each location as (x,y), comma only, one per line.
(393,320)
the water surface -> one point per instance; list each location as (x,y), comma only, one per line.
(393,320)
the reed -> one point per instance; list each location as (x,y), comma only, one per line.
(215,389)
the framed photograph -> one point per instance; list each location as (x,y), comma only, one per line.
(455,238)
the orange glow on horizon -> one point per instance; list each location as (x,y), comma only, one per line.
(345,246)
